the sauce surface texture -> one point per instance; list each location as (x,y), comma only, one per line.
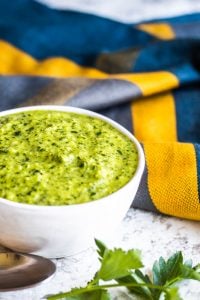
(61,158)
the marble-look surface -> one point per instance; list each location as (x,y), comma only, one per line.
(129,11)
(154,234)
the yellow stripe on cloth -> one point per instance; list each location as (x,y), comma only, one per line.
(162,31)
(172,178)
(151,82)
(16,62)
(154,118)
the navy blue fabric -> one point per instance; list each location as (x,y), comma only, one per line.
(187,30)
(117,113)
(171,56)
(187,114)
(194,17)
(45,32)
(187,73)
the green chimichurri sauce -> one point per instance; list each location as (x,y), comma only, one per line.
(61,158)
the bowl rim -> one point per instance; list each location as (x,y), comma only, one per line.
(72,109)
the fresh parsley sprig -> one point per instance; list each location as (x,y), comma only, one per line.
(123,268)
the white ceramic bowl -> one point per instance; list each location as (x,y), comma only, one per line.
(57,231)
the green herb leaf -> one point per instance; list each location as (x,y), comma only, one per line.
(138,277)
(122,267)
(101,248)
(85,293)
(197,268)
(94,295)
(189,273)
(165,271)
(118,263)
(172,294)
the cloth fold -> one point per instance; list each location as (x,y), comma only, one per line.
(144,76)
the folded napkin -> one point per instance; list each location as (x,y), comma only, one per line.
(144,76)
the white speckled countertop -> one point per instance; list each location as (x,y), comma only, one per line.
(133,11)
(154,234)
